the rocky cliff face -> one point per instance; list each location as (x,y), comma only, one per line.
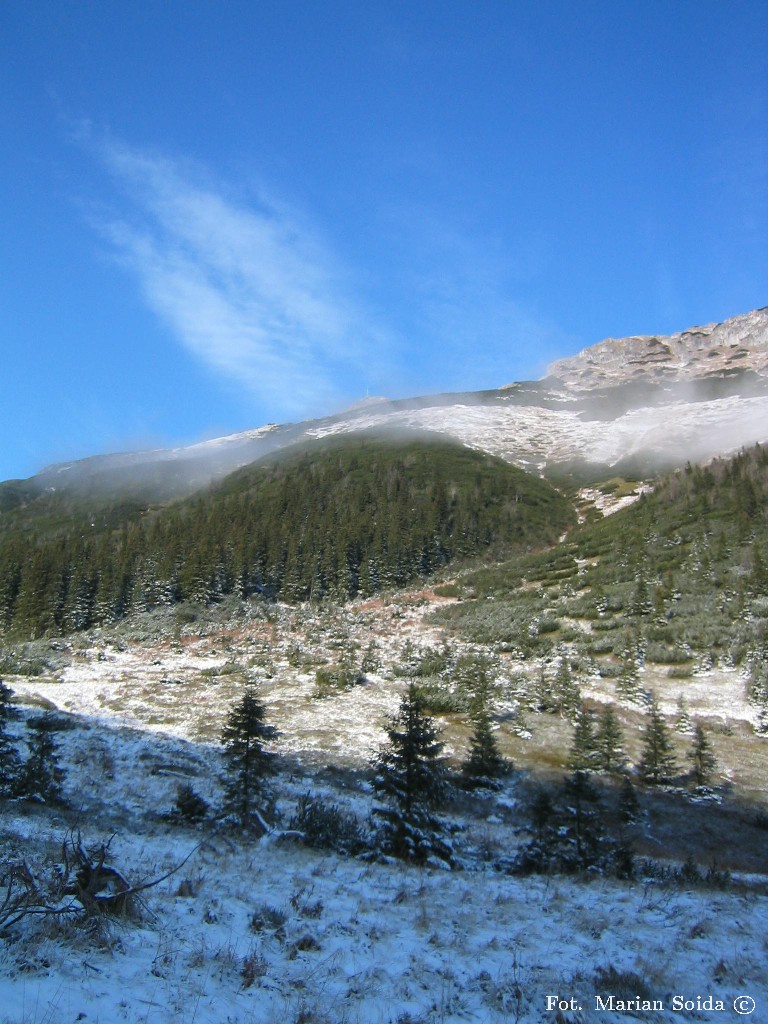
(717,350)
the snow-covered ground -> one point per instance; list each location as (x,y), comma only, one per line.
(376,944)
(263,931)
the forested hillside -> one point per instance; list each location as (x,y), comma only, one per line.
(678,579)
(336,518)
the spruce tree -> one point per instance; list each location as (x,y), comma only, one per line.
(567,692)
(641,603)
(248,762)
(475,675)
(584,753)
(41,776)
(684,724)
(485,764)
(628,681)
(189,806)
(757,687)
(567,834)
(544,693)
(628,813)
(609,743)
(410,777)
(657,764)
(581,834)
(629,805)
(538,853)
(10,763)
(703,762)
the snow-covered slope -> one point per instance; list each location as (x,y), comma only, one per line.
(537,436)
(254,930)
(689,396)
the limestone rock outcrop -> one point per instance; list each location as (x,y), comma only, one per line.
(715,350)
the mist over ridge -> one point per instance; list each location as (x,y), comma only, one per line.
(612,402)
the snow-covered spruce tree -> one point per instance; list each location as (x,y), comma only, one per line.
(684,724)
(757,686)
(628,680)
(248,762)
(41,776)
(657,764)
(10,762)
(410,778)
(703,762)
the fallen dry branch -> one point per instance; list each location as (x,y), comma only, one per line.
(84,884)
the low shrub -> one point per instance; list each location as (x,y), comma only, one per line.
(439,699)
(267,918)
(189,806)
(325,826)
(625,985)
(680,672)
(663,655)
(330,679)
(686,875)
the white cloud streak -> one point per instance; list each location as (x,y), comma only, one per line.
(249,290)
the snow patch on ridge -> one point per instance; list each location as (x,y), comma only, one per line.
(535,435)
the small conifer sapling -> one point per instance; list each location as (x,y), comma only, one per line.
(247,759)
(41,776)
(657,764)
(10,762)
(410,778)
(703,761)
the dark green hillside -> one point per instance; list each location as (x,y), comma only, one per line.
(14,493)
(49,514)
(679,579)
(334,518)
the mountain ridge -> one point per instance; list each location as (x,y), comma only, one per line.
(687,355)
(611,402)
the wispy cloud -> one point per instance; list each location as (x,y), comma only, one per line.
(251,289)
(248,288)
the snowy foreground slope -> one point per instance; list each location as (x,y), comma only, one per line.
(251,930)
(377,943)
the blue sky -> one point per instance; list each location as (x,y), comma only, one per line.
(217,215)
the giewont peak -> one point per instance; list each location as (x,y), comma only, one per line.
(715,350)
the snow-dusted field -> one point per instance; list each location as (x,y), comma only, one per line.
(262,931)
(183,686)
(374,944)
(265,931)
